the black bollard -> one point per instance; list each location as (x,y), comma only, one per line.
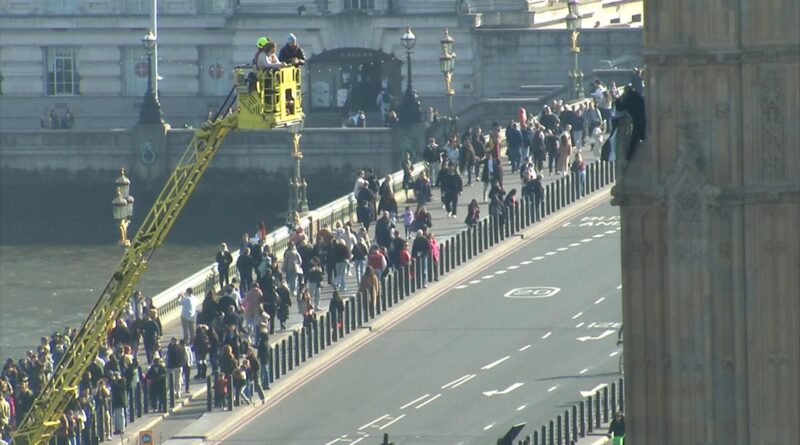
(621,395)
(131,405)
(290,352)
(597,418)
(99,415)
(317,333)
(284,360)
(535,438)
(544,435)
(146,397)
(298,346)
(583,419)
(138,397)
(303,335)
(613,397)
(229,383)
(171,388)
(551,436)
(347,316)
(352,314)
(574,423)
(559,431)
(566,431)
(590,419)
(209,394)
(605,404)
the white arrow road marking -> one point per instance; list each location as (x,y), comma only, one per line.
(505,391)
(414,401)
(496,362)
(593,390)
(393,421)
(603,335)
(374,421)
(427,401)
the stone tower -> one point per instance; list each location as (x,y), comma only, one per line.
(711,228)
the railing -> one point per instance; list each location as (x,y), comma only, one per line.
(340,210)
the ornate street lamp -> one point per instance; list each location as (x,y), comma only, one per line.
(573,20)
(123,207)
(298,201)
(410,111)
(447,62)
(150,112)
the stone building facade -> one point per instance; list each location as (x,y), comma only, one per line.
(710,208)
(87,55)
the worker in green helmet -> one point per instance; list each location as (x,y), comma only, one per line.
(261,44)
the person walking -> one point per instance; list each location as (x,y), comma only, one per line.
(224,261)
(421,252)
(188,302)
(616,431)
(452,186)
(284,301)
(564,151)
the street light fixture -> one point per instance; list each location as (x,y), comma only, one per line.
(573,21)
(298,202)
(447,62)
(123,207)
(150,112)
(410,111)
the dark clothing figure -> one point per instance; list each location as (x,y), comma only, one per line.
(633,103)
(288,53)
(452,186)
(224,261)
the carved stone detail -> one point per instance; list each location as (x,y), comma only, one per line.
(773,124)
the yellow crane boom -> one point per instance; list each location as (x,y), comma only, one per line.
(263,86)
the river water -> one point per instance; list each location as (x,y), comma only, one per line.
(47,288)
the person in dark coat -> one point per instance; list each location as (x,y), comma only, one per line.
(452,186)
(201,345)
(284,301)
(245,266)
(383,230)
(291,52)
(513,141)
(364,213)
(633,102)
(151,332)
(157,385)
(336,310)
(617,428)
(224,261)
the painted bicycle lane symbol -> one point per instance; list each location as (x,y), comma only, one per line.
(533,292)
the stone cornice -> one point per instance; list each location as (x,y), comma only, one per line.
(673,56)
(725,196)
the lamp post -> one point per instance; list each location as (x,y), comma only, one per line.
(150,112)
(123,207)
(410,111)
(573,25)
(298,201)
(447,62)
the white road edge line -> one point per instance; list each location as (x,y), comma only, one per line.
(496,362)
(336,440)
(414,401)
(393,421)
(600,300)
(357,441)
(488,427)
(550,253)
(574,244)
(474,281)
(454,382)
(584,371)
(525,263)
(552,388)
(546,335)
(521,407)
(562,249)
(577,315)
(524,348)
(428,401)
(472,376)
(374,421)
(463,286)
(579,324)
(538,258)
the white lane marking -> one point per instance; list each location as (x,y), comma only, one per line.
(579,325)
(619,287)
(613,354)
(474,281)
(336,440)
(525,263)
(584,371)
(600,300)
(496,362)
(593,390)
(488,427)
(463,286)
(428,401)
(414,401)
(464,381)
(521,407)
(513,267)
(550,253)
(455,381)
(586,240)
(546,335)
(500,272)
(486,277)
(561,249)
(577,315)
(603,335)
(608,232)
(524,348)
(538,258)
(505,391)
(374,421)
(358,440)
(591,325)
(552,388)
(574,244)
(599,235)
(393,421)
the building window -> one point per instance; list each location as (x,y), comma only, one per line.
(134,74)
(62,75)
(350,5)
(136,6)
(636,18)
(61,6)
(215,70)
